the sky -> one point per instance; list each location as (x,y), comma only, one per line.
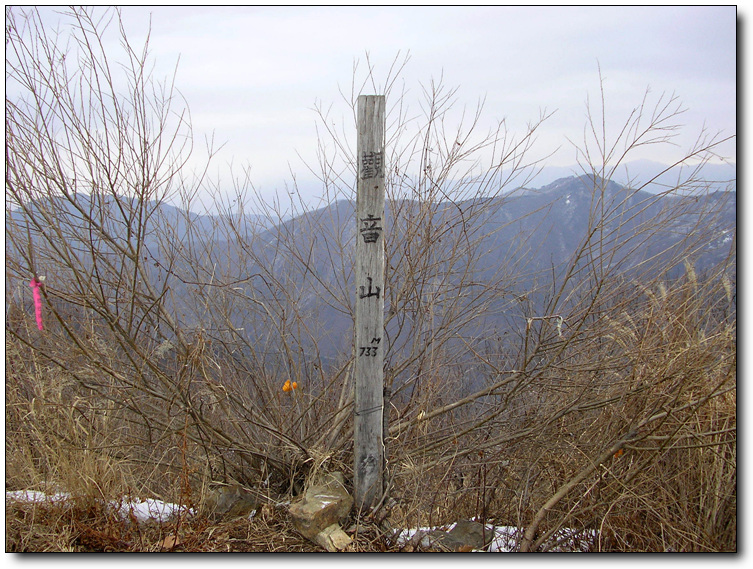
(253,76)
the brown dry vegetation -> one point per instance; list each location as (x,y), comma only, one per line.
(88,526)
(143,382)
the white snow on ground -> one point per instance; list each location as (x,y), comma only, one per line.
(506,538)
(35,496)
(151,509)
(142,510)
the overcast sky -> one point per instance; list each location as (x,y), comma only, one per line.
(254,74)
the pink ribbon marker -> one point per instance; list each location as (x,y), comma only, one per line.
(35,286)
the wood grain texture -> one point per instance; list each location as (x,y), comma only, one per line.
(369,328)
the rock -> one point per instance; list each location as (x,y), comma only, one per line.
(436,540)
(322,505)
(313,514)
(472,534)
(465,536)
(333,538)
(232,500)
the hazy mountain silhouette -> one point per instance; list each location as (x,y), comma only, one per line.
(539,232)
(536,231)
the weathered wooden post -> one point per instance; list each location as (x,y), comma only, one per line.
(369,400)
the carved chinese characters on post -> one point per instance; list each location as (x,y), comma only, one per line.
(370,229)
(371,165)
(371,292)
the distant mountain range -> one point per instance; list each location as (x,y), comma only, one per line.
(649,176)
(544,226)
(535,231)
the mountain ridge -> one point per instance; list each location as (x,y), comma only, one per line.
(527,240)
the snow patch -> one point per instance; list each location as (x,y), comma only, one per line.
(35,496)
(129,508)
(150,509)
(506,538)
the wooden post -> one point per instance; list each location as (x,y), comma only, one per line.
(369,400)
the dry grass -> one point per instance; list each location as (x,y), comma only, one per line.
(90,527)
(60,440)
(635,437)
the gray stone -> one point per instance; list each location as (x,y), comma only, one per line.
(321,505)
(465,536)
(333,538)
(438,540)
(231,500)
(472,534)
